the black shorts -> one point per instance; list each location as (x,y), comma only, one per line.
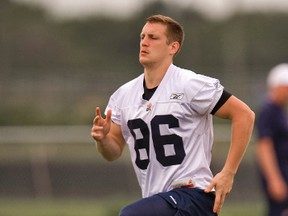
(177,202)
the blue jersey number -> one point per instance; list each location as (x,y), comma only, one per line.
(159,141)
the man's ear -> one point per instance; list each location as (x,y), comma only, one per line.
(175,47)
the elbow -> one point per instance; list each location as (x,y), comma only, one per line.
(251,116)
(244,116)
(248,118)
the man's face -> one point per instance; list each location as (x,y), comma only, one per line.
(282,93)
(154,47)
(285,93)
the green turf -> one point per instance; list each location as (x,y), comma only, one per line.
(242,209)
(93,207)
(29,207)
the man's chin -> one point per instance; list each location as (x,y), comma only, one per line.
(143,61)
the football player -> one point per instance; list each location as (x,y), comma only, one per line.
(165,118)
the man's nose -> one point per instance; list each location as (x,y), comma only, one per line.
(144,42)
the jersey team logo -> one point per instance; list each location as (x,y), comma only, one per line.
(177,96)
(149,107)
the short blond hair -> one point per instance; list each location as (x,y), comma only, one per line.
(175,31)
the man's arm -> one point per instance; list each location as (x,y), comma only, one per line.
(108,136)
(242,120)
(268,164)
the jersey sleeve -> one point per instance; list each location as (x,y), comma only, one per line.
(116,114)
(121,97)
(224,97)
(207,92)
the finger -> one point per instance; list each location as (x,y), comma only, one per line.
(98,116)
(217,203)
(96,120)
(98,113)
(209,188)
(96,136)
(96,132)
(108,115)
(96,128)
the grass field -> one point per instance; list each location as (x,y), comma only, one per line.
(92,207)
(82,153)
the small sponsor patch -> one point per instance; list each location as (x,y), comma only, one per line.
(177,96)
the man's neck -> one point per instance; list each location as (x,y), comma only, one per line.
(154,75)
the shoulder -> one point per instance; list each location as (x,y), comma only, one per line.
(126,94)
(129,86)
(195,82)
(192,76)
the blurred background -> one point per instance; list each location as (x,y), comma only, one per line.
(60,59)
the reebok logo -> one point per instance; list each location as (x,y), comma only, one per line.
(177,96)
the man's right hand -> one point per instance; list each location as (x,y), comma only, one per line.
(101,126)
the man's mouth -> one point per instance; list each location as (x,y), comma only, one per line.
(144,52)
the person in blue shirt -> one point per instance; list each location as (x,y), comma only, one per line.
(272,142)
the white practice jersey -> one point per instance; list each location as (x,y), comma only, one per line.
(170,136)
